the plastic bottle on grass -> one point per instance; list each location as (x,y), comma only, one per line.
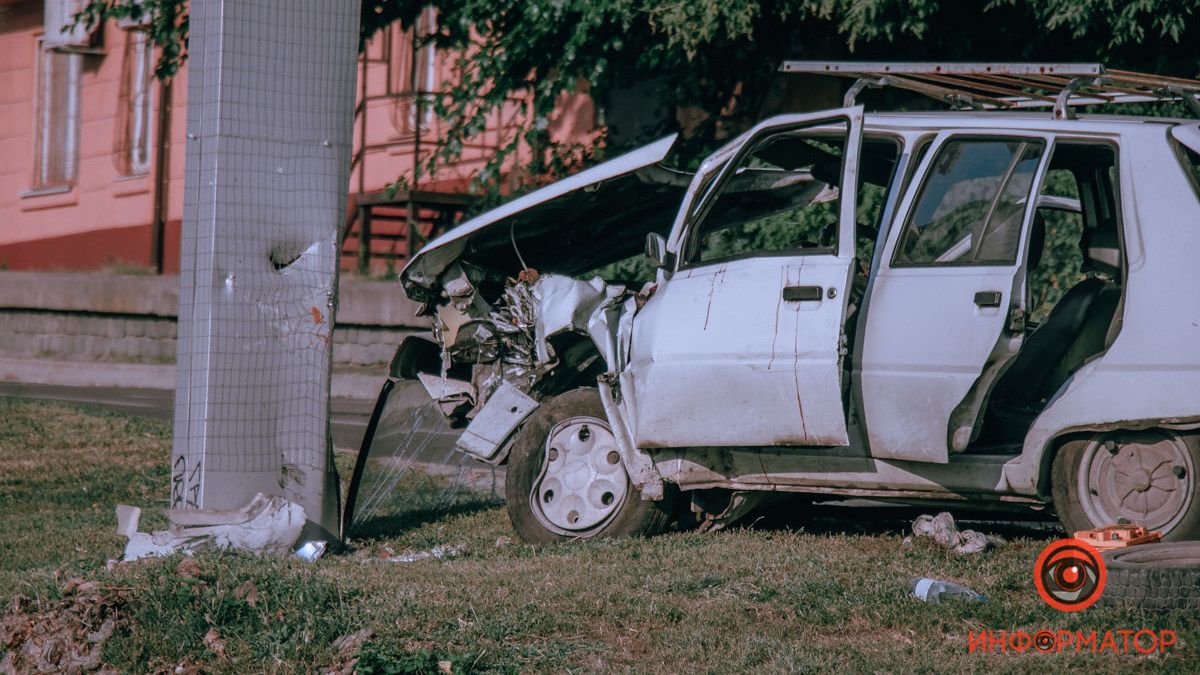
(935,590)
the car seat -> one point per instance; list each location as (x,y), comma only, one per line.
(1076,329)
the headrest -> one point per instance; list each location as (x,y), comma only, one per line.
(1037,241)
(1102,253)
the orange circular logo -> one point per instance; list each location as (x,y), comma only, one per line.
(1069,575)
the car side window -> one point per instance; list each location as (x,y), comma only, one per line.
(782,196)
(971,206)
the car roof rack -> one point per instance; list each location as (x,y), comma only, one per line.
(1008,86)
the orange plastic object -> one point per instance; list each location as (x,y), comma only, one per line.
(1118,536)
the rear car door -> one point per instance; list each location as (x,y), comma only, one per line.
(946,310)
(742,343)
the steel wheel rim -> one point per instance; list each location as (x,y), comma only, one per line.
(1146,479)
(582,482)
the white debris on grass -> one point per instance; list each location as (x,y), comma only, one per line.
(265,525)
(435,552)
(309,551)
(944,531)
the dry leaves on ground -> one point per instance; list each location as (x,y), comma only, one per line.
(65,635)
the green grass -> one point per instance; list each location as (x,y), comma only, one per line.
(811,598)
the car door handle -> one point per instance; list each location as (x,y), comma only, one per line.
(988,298)
(801,293)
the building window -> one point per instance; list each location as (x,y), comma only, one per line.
(135,114)
(414,72)
(56,140)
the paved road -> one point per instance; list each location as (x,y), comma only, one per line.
(349,419)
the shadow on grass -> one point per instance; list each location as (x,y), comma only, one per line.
(858,517)
(390,525)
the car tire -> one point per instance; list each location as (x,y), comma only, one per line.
(581,489)
(1146,478)
(1154,576)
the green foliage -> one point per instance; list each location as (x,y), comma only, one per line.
(295,613)
(383,660)
(167,26)
(634,271)
(1062,256)
(718,56)
(1121,22)
(55,463)
(371,661)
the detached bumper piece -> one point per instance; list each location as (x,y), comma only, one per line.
(496,421)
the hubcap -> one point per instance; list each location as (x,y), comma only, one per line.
(1146,479)
(582,483)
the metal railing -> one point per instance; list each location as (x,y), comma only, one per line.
(415,132)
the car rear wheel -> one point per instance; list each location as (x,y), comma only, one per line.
(566,479)
(1145,478)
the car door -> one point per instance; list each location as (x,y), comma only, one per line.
(946,308)
(741,344)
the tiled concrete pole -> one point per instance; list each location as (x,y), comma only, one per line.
(270,112)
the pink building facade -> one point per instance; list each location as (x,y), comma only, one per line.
(91,147)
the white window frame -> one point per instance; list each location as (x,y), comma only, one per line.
(140,131)
(426,76)
(420,81)
(44,125)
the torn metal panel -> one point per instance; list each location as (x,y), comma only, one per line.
(495,316)
(563,303)
(509,341)
(443,387)
(496,421)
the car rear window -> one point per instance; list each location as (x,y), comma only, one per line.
(1187,140)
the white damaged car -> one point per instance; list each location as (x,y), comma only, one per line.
(842,304)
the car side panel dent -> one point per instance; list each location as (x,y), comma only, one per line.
(638,464)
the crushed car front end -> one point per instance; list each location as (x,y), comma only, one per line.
(516,311)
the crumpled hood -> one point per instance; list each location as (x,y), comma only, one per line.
(595,217)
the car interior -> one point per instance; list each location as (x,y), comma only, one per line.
(1074,314)
(877,163)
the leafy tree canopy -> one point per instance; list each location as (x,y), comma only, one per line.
(719,56)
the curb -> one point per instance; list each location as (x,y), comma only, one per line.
(146,376)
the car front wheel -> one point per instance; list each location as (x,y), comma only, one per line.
(1145,478)
(566,479)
